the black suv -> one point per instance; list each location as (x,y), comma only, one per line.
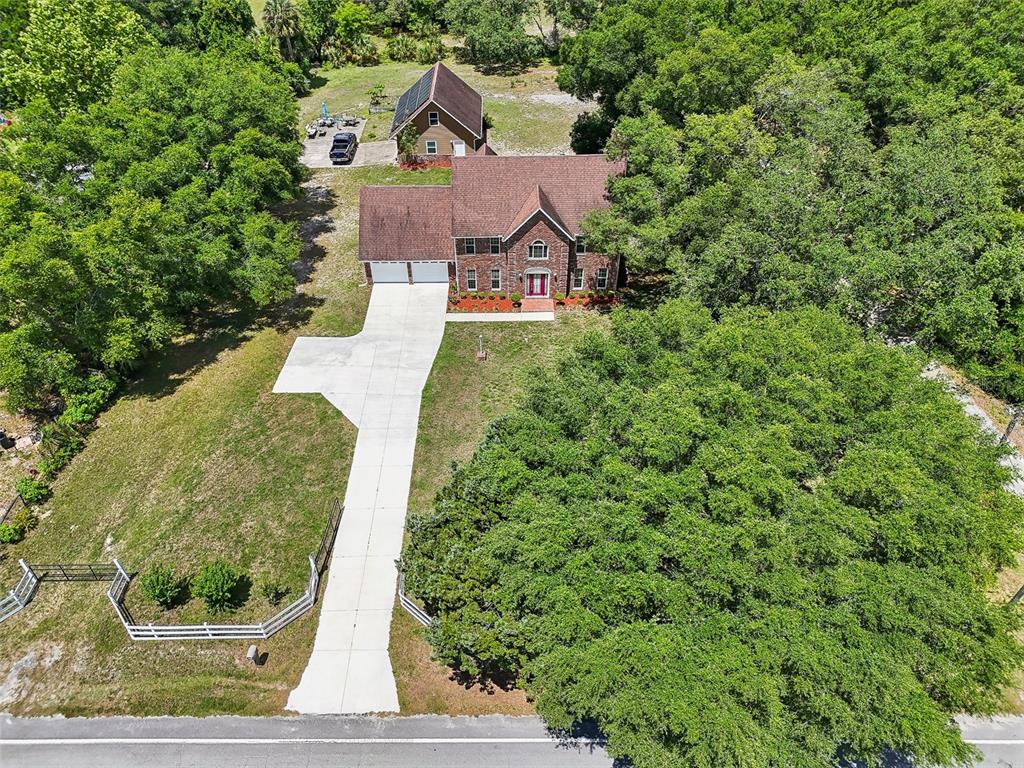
(343,149)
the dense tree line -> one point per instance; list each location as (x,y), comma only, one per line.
(756,541)
(135,191)
(863,156)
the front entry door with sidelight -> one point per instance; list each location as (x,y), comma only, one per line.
(537,284)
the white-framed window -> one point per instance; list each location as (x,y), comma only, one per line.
(538,250)
(581,245)
(433,118)
(495,246)
(431,147)
(577,279)
(602,278)
(495,279)
(469,246)
(470,279)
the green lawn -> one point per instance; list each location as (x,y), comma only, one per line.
(529,114)
(199,460)
(257,9)
(461,397)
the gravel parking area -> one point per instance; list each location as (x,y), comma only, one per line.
(315,151)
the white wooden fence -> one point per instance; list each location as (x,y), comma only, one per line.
(263,630)
(410,607)
(20,596)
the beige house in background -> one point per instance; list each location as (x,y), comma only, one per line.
(447,114)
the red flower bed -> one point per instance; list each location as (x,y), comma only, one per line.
(583,301)
(420,163)
(467,304)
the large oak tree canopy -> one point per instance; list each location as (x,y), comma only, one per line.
(747,542)
(866,156)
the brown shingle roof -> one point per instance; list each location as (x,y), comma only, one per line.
(488,192)
(450,93)
(405,223)
(536,200)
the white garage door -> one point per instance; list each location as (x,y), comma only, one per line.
(430,272)
(389,271)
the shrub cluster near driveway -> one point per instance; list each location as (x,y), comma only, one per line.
(768,517)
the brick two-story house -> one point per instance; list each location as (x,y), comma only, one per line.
(448,114)
(505,224)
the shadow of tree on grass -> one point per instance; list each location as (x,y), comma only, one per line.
(214,333)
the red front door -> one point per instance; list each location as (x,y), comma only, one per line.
(537,284)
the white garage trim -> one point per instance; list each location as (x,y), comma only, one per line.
(389,271)
(430,271)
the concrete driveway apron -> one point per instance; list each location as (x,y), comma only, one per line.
(375,378)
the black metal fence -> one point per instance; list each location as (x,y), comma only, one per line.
(73,571)
(12,506)
(327,540)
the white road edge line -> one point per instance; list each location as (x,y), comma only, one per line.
(298,740)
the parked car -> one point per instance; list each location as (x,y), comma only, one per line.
(343,149)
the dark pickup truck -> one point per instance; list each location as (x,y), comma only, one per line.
(343,149)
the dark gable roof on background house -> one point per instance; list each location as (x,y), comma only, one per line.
(446,89)
(405,223)
(494,196)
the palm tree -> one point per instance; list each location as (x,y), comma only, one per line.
(281,20)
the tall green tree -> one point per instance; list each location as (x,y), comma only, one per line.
(124,222)
(223,22)
(281,22)
(316,21)
(69,51)
(753,542)
(774,161)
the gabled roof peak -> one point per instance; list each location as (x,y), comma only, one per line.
(536,201)
(449,92)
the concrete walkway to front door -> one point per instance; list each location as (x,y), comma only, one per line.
(375,378)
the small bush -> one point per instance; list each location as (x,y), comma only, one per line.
(430,50)
(11,533)
(516,298)
(270,588)
(503,295)
(590,294)
(492,296)
(32,491)
(401,48)
(560,298)
(463,294)
(160,585)
(25,519)
(216,583)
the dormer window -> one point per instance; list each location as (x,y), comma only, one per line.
(538,250)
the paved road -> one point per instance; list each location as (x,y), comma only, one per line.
(351,742)
(309,742)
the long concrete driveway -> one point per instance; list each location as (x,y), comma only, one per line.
(375,378)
